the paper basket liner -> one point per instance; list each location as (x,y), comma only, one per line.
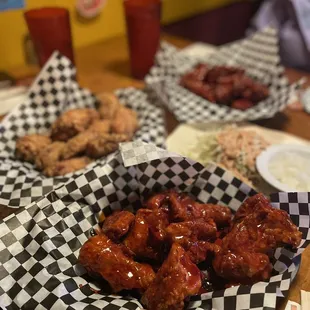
(54,91)
(39,246)
(258,55)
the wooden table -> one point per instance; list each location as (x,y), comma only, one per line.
(104,67)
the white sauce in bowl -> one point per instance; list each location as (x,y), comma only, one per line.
(292,169)
(286,167)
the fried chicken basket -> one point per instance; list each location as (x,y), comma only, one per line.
(40,245)
(54,91)
(258,55)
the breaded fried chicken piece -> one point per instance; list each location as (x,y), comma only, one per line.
(49,155)
(101,256)
(78,144)
(28,147)
(104,144)
(176,279)
(108,105)
(73,122)
(101,126)
(67,166)
(125,122)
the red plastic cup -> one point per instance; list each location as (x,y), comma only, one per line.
(143,31)
(50,31)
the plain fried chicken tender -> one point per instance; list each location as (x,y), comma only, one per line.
(104,144)
(28,147)
(67,166)
(101,126)
(125,122)
(49,155)
(78,144)
(73,122)
(108,105)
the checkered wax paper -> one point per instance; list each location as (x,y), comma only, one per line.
(55,91)
(258,55)
(39,246)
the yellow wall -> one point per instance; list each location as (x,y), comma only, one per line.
(109,24)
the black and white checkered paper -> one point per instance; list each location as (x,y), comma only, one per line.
(55,91)
(40,245)
(258,55)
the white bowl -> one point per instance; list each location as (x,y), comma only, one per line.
(263,161)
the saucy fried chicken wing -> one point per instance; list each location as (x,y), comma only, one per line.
(158,221)
(244,254)
(108,105)
(67,166)
(28,147)
(183,208)
(225,85)
(186,233)
(199,251)
(158,201)
(137,240)
(176,279)
(73,122)
(117,225)
(101,256)
(221,215)
(249,206)
(104,144)
(49,155)
(125,121)
(243,267)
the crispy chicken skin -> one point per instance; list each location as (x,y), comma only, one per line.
(176,279)
(73,122)
(67,166)
(78,144)
(101,256)
(108,105)
(117,225)
(28,147)
(244,254)
(101,126)
(125,122)
(48,156)
(104,144)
